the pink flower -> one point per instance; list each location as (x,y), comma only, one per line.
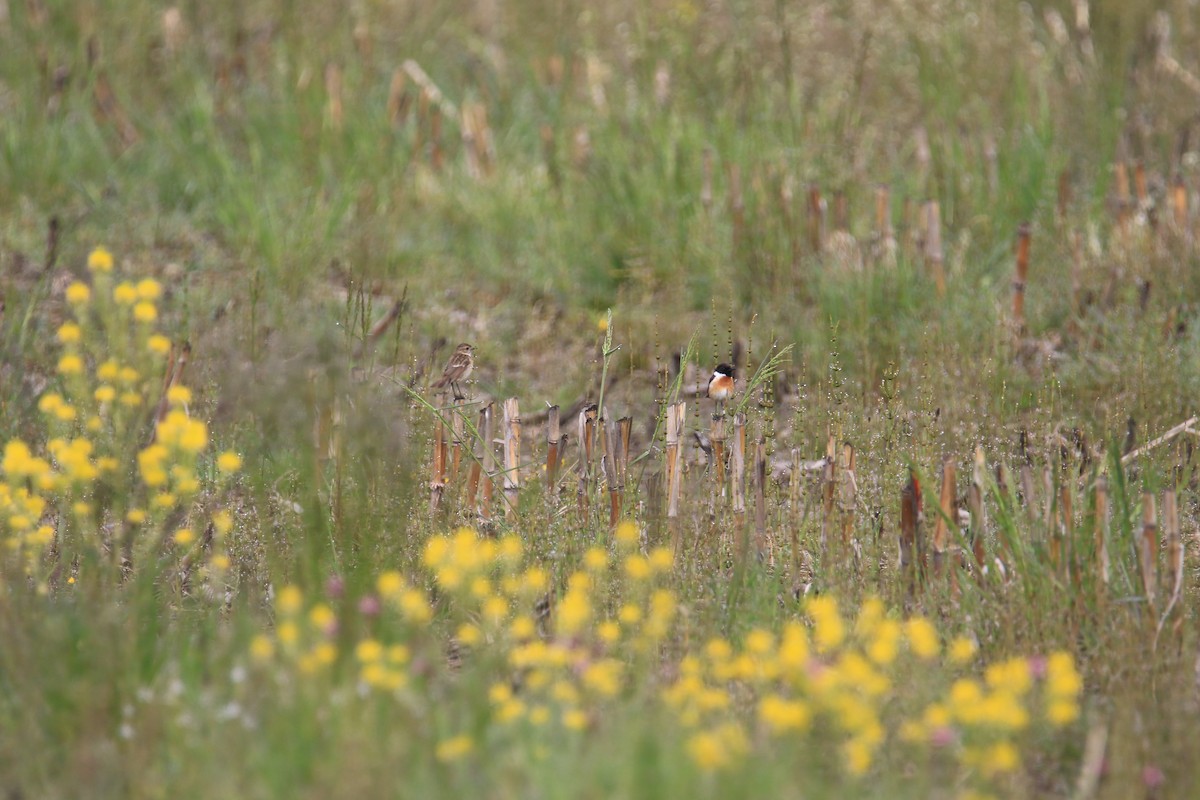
(943,736)
(1153,777)
(1037,667)
(335,586)
(369,605)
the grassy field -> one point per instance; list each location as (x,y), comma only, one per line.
(240,241)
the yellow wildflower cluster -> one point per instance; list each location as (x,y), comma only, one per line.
(555,661)
(91,474)
(303,636)
(841,680)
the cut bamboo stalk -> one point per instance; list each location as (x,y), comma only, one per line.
(828,488)
(1123,200)
(553,436)
(512,456)
(1179,206)
(586,434)
(911,549)
(1140,187)
(737,465)
(1018,300)
(1049,496)
(948,516)
(612,443)
(398,98)
(624,434)
(841,211)
(476,471)
(978,510)
(760,497)
(1065,528)
(934,256)
(885,236)
(1148,550)
(716,437)
(457,431)
(488,415)
(333,88)
(816,219)
(437,481)
(794,515)
(1175,572)
(436,157)
(1101,537)
(848,494)
(676,417)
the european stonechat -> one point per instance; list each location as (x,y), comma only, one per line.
(458,369)
(721,384)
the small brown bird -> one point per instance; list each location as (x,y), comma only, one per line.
(721,384)
(458,369)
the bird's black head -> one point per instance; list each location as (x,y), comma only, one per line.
(724,369)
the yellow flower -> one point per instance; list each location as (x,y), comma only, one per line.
(288,600)
(179,395)
(78,293)
(662,559)
(261,648)
(922,638)
(368,650)
(627,534)
(145,312)
(159,344)
(389,584)
(100,260)
(70,364)
(1062,712)
(602,323)
(962,650)
(322,617)
(469,634)
(229,462)
(69,333)
(184,536)
(522,628)
(455,748)
(573,612)
(415,606)
(50,402)
(149,289)
(637,567)
(608,631)
(131,399)
(108,371)
(65,412)
(595,559)
(574,719)
(125,294)
(288,633)
(1062,679)
(135,516)
(828,629)
(603,676)
(222,522)
(220,562)
(105,394)
(781,715)
(858,756)
(1000,758)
